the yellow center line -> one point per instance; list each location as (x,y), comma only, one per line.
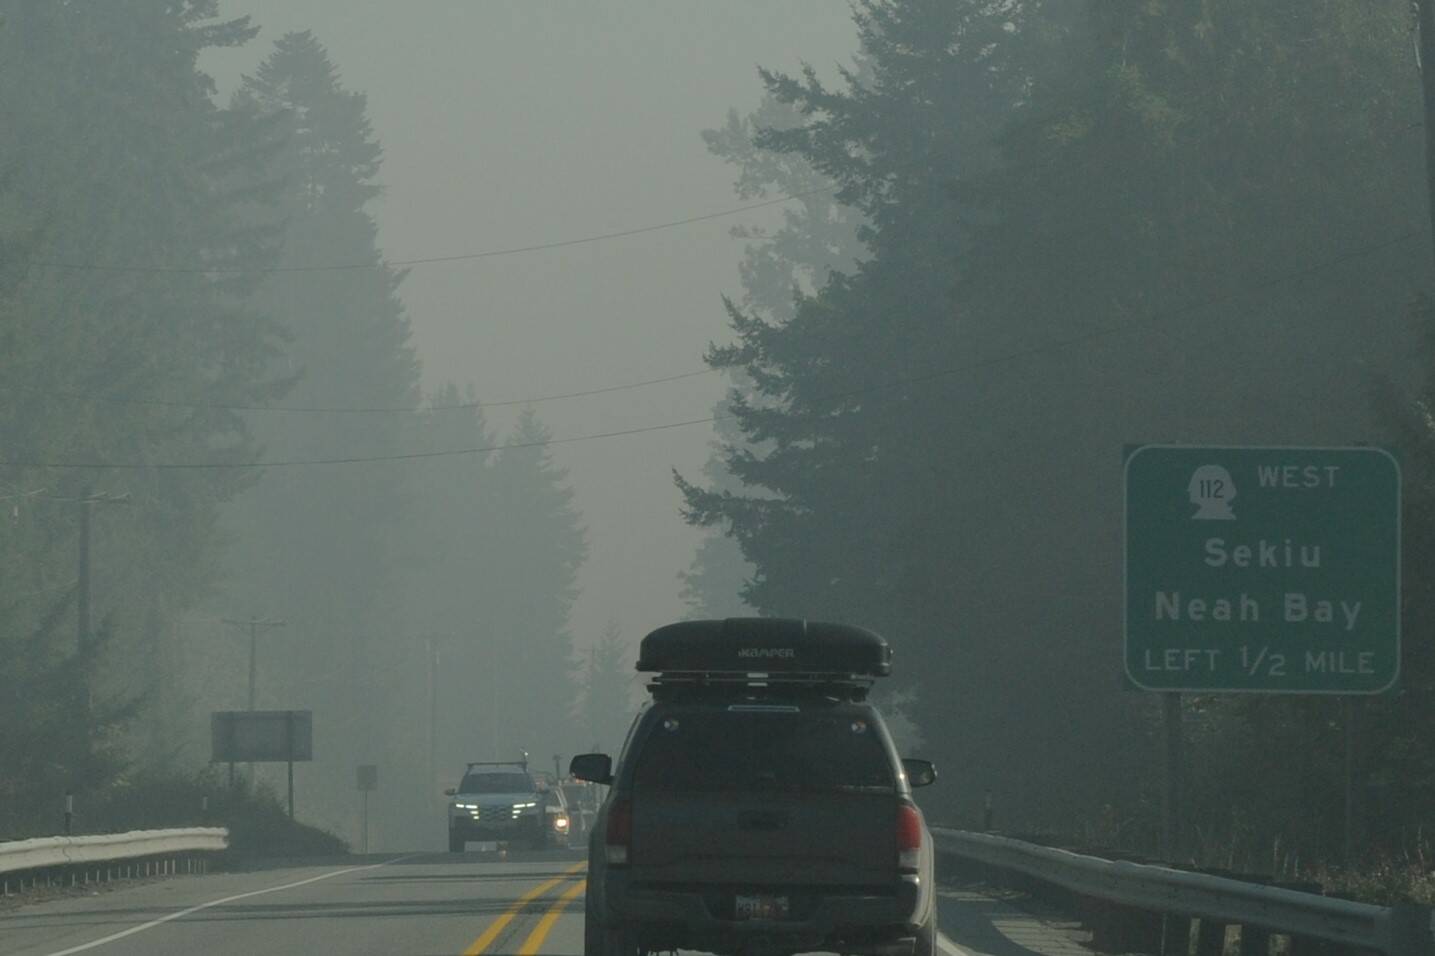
(498,925)
(535,939)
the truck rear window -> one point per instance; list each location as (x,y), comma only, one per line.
(745,750)
(496,782)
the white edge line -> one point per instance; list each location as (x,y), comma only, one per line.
(945,945)
(220,902)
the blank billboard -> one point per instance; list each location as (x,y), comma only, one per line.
(261,736)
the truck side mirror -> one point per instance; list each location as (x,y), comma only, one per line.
(920,773)
(450,792)
(597,768)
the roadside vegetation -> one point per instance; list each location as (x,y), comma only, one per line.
(156,305)
(257,820)
(1023,235)
(1053,230)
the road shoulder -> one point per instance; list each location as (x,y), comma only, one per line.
(984,921)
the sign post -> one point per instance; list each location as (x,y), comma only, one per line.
(368,780)
(1260,570)
(289,756)
(262,736)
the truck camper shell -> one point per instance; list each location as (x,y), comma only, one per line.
(750,655)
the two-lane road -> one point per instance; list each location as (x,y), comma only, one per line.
(424,904)
(431,904)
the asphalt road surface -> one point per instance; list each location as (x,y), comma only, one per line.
(426,904)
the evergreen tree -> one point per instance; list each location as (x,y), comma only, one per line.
(320,547)
(1397,750)
(934,448)
(536,545)
(778,268)
(121,182)
(607,683)
(446,604)
(495,546)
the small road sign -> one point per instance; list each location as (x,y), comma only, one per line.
(1271,570)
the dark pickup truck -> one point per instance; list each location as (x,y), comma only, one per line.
(759,806)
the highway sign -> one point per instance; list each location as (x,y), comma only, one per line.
(260,736)
(1271,570)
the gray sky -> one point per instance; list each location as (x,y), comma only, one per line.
(516,122)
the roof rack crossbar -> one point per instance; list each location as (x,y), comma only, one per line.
(763,677)
(681,684)
(497,763)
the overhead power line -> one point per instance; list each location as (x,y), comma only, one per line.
(1318,269)
(369,410)
(411,456)
(427,260)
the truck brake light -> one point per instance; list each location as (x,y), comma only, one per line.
(909,837)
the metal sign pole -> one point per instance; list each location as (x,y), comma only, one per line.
(1347,713)
(1175,763)
(262,736)
(366,778)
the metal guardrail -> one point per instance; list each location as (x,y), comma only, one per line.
(1396,931)
(77,854)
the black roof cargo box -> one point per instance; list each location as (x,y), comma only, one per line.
(765,645)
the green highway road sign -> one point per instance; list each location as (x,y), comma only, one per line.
(1269,570)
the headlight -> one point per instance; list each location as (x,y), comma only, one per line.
(524,806)
(465,806)
(561,823)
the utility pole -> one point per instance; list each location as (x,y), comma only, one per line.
(435,643)
(433,716)
(253,625)
(84,636)
(82,606)
(87,501)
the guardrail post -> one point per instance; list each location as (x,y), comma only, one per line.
(1211,938)
(1145,931)
(1091,914)
(1412,930)
(1305,946)
(1175,935)
(1255,941)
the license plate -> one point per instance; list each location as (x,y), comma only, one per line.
(761,906)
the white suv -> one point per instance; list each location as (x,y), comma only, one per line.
(501,802)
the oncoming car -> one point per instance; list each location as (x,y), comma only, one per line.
(502,802)
(759,804)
